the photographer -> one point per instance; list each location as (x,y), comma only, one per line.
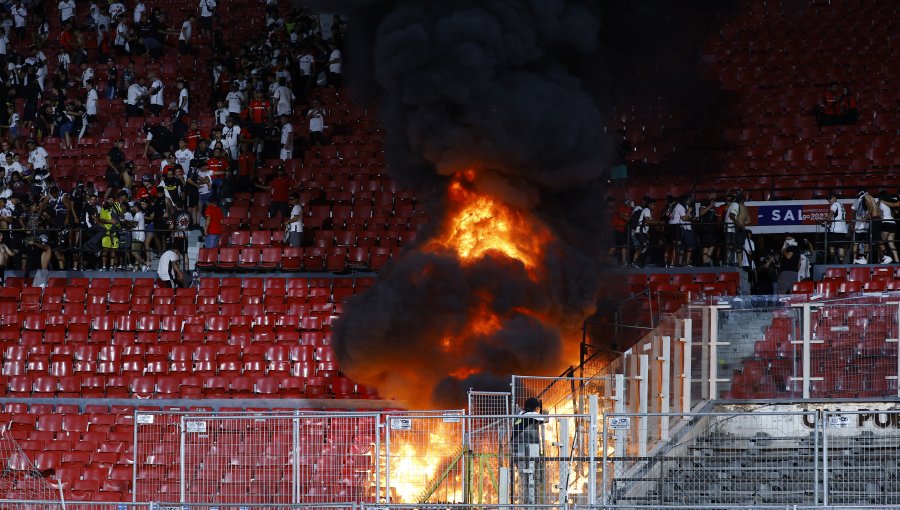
(789,265)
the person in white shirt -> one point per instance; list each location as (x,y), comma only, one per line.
(136,222)
(287,139)
(294,224)
(120,41)
(316,116)
(207,11)
(221,113)
(640,230)
(13,123)
(134,102)
(235,100)
(183,155)
(4,41)
(10,165)
(232,135)
(156,94)
(116,9)
(90,108)
(307,64)
(139,10)
(685,241)
(283,98)
(87,73)
(335,75)
(66,10)
(38,157)
(836,228)
(184,101)
(184,35)
(169,271)
(20,15)
(204,180)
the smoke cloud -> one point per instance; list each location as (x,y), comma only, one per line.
(487,85)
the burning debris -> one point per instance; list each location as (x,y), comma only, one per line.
(481,109)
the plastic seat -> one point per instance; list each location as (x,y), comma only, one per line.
(228,258)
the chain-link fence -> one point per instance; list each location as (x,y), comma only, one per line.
(275,458)
(713,459)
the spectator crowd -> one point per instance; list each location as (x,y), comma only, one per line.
(179,174)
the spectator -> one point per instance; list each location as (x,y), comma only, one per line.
(184,100)
(316,116)
(235,101)
(231,135)
(866,226)
(283,98)
(221,113)
(90,107)
(38,164)
(6,254)
(159,140)
(169,270)
(736,220)
(20,16)
(155,93)
(789,265)
(109,221)
(218,166)
(286,139)
(640,222)
(707,229)
(259,110)
(294,224)
(748,263)
(685,241)
(139,10)
(207,12)
(204,184)
(836,229)
(335,76)
(886,205)
(137,93)
(184,35)
(135,221)
(212,230)
(66,10)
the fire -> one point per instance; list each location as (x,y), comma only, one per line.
(419,459)
(480,225)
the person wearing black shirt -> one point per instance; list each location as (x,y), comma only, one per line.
(790,265)
(159,139)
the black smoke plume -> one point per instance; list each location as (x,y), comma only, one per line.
(490,85)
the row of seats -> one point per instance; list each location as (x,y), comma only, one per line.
(334,258)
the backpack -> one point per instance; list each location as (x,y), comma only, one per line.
(635,220)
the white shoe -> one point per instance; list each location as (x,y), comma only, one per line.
(860,260)
(886,260)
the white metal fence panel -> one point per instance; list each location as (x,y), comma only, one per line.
(425,457)
(261,458)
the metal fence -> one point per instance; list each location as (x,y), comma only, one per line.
(837,349)
(443,457)
(756,458)
(274,458)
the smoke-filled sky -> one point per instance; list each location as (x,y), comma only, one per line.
(488,85)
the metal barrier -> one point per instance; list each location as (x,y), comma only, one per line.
(343,458)
(712,459)
(272,458)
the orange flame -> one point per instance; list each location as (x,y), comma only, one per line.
(481,225)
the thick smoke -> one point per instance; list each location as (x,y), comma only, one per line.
(486,85)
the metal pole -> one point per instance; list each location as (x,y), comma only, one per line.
(295,448)
(137,462)
(806,349)
(819,420)
(825,463)
(387,460)
(686,344)
(378,425)
(603,482)
(181,459)
(713,360)
(594,406)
